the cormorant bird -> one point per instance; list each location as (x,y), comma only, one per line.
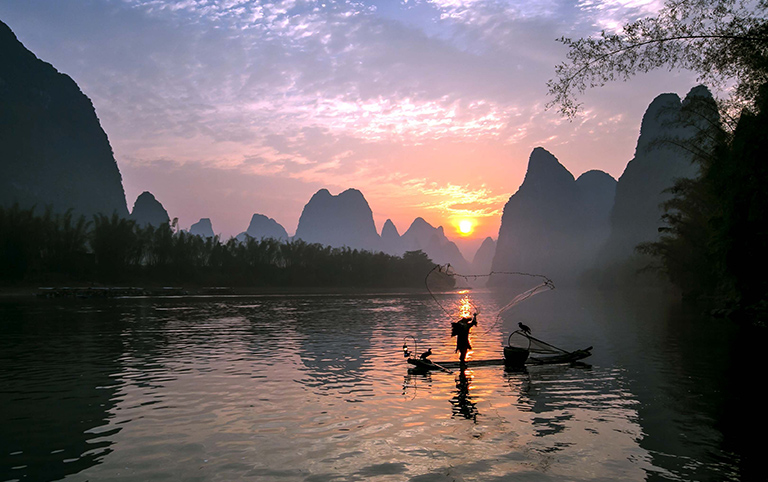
(523,327)
(426,354)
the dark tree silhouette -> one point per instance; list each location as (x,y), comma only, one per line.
(114,242)
(714,233)
(721,40)
(114,249)
(716,226)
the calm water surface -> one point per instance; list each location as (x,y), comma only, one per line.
(315,388)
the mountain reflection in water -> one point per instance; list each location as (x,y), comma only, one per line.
(314,387)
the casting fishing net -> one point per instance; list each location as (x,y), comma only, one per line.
(444,278)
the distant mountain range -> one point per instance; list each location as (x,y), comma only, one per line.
(561,227)
(53,152)
(346,219)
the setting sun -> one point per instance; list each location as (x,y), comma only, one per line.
(465,226)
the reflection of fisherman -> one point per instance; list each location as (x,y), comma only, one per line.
(462,402)
(460,330)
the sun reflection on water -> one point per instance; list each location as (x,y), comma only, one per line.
(315,387)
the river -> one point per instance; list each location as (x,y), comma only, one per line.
(314,387)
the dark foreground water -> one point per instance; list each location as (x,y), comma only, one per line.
(315,388)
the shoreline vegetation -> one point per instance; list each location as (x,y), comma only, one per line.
(98,291)
(58,250)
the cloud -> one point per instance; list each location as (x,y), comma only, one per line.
(425,105)
(610,15)
(238,71)
(454,201)
(303,64)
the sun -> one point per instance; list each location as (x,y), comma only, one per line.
(466,226)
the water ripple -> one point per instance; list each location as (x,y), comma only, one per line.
(316,388)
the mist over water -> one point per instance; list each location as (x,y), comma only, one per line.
(315,387)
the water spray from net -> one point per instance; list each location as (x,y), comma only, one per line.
(445,276)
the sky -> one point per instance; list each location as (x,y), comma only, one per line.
(431,108)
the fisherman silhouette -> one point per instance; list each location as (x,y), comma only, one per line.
(460,330)
(525,328)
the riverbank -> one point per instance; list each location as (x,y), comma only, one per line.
(101,291)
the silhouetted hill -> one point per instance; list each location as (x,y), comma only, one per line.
(148,211)
(636,214)
(390,239)
(483,259)
(342,220)
(553,225)
(262,226)
(598,191)
(53,150)
(423,236)
(202,228)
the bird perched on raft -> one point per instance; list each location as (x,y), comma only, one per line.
(426,354)
(524,328)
